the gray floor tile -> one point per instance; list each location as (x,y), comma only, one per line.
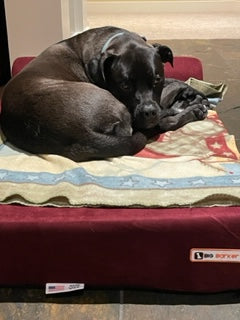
(28,304)
(163,306)
(180,312)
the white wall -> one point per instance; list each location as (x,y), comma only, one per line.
(33,25)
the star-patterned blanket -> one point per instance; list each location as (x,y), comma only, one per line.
(196,165)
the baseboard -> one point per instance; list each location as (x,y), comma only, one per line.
(159,7)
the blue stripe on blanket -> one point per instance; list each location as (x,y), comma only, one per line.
(79,177)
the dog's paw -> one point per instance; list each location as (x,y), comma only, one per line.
(200,111)
(200,107)
(187,94)
(200,100)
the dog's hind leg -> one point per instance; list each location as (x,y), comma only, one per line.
(106,146)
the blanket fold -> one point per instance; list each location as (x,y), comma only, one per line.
(210,90)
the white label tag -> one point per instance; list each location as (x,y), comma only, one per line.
(52,288)
(215,255)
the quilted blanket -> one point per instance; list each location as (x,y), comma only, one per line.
(197,165)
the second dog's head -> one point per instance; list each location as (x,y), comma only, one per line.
(133,72)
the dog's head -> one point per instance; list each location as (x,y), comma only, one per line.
(133,72)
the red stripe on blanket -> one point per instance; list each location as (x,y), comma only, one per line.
(219,147)
(213,138)
(147,153)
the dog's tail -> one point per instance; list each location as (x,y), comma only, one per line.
(106,146)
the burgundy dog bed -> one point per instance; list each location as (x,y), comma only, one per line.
(177,248)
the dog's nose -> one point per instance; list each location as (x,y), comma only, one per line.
(149,111)
(146,116)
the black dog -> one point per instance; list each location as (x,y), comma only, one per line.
(81,97)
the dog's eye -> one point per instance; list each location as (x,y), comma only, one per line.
(125,86)
(156,80)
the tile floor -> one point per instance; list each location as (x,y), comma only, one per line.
(173,25)
(221,63)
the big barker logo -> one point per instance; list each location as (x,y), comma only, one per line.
(215,255)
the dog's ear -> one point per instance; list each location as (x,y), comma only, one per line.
(106,63)
(165,53)
(144,38)
(92,70)
(98,67)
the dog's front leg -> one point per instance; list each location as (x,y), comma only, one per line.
(193,112)
(179,115)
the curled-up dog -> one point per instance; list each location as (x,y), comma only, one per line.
(92,96)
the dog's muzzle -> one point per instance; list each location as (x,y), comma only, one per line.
(146,115)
